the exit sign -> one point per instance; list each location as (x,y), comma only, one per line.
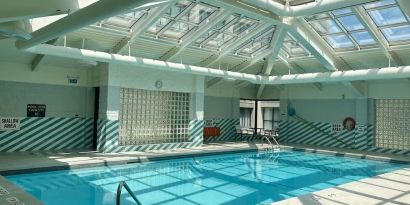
(72,81)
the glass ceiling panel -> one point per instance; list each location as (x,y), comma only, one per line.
(177,8)
(379,4)
(293,49)
(363,38)
(400,33)
(154,29)
(339,41)
(124,22)
(351,23)
(327,26)
(180,19)
(390,20)
(387,16)
(342,30)
(342,12)
(256,45)
(198,14)
(226,31)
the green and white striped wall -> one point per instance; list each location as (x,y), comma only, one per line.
(48,133)
(228,131)
(108,140)
(319,134)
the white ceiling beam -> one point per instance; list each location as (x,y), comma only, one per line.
(295,68)
(211,60)
(315,7)
(204,28)
(276,45)
(402,72)
(142,26)
(314,43)
(91,14)
(405,6)
(367,22)
(35,63)
(249,11)
(303,36)
(266,70)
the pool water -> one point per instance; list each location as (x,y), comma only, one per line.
(244,178)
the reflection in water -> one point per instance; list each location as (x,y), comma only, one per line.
(246,178)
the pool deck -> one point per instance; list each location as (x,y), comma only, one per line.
(388,188)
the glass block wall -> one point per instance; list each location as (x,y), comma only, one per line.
(392,124)
(153,117)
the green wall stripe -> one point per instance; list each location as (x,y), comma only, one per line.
(41,134)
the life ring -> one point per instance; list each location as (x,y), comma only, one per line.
(349,123)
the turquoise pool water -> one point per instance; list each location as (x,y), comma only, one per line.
(244,178)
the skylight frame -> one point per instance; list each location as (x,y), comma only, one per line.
(259,38)
(218,31)
(288,51)
(127,28)
(178,19)
(396,25)
(337,16)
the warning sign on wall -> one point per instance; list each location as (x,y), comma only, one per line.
(9,123)
(36,110)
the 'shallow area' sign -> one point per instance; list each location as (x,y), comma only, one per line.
(9,123)
(36,110)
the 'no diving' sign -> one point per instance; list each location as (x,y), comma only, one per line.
(9,123)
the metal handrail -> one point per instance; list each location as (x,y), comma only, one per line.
(269,141)
(118,198)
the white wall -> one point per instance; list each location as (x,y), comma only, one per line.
(60,101)
(17,72)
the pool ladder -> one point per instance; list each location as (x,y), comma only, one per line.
(125,185)
(270,138)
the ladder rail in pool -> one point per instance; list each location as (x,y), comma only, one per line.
(272,136)
(119,189)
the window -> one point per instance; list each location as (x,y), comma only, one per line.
(259,43)
(342,30)
(245,117)
(153,117)
(226,31)
(123,22)
(182,18)
(270,118)
(291,48)
(390,20)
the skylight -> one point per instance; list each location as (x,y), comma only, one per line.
(123,22)
(225,32)
(342,30)
(181,18)
(259,43)
(390,20)
(294,2)
(292,49)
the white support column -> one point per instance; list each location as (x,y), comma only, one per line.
(364,18)
(142,26)
(207,25)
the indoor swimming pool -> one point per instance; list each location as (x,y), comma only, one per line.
(241,178)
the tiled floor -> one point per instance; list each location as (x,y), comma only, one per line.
(389,188)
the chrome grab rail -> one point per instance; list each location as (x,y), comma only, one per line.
(269,140)
(125,185)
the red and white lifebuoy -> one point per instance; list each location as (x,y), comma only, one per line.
(349,123)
